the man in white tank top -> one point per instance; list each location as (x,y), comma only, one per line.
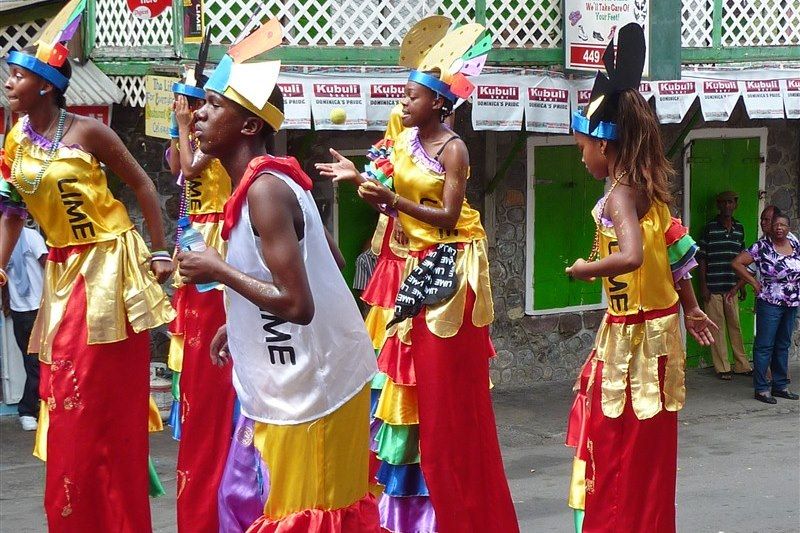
(302,360)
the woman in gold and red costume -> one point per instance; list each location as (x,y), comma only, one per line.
(101,294)
(624,419)
(441,466)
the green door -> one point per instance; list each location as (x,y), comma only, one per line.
(720,165)
(563,230)
(356,222)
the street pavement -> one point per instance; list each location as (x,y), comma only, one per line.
(739,461)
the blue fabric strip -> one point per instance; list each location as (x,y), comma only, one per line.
(189,90)
(434,84)
(402,480)
(40,68)
(604,130)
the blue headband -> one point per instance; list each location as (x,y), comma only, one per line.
(434,84)
(604,130)
(40,68)
(189,90)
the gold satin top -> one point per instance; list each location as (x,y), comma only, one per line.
(72,204)
(74,207)
(631,351)
(416,179)
(650,286)
(376,244)
(208,192)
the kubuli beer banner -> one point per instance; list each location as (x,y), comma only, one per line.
(547,106)
(337,103)
(382,95)
(791,97)
(673,99)
(718,98)
(497,103)
(762,98)
(295,103)
(539,102)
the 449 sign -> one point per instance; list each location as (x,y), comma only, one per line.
(591,24)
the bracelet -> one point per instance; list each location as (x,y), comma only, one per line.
(395,200)
(155,258)
(3,278)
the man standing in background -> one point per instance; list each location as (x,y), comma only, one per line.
(25,273)
(722,240)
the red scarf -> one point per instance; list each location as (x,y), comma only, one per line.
(258,166)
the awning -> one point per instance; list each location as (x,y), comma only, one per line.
(88,86)
(11,5)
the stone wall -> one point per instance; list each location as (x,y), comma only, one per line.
(529,349)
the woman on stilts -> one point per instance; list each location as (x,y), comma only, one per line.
(101,293)
(202,417)
(623,422)
(441,465)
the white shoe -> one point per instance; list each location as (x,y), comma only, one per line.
(28,423)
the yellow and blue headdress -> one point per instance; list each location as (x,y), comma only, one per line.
(429,46)
(194,79)
(251,84)
(624,67)
(51,51)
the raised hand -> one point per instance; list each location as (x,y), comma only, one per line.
(341,170)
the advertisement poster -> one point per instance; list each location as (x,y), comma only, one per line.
(296,111)
(591,24)
(338,104)
(158,106)
(673,100)
(718,98)
(193,23)
(547,106)
(762,98)
(497,104)
(382,96)
(791,97)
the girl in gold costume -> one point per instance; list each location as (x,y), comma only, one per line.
(623,423)
(101,293)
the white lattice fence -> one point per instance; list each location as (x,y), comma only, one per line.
(117,27)
(697,23)
(133,87)
(19,36)
(525,23)
(374,23)
(761,23)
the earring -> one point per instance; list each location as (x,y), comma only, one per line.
(42,92)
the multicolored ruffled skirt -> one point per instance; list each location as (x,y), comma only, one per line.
(309,477)
(433,431)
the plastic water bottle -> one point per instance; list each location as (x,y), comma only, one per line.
(192,241)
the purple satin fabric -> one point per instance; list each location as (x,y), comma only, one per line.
(244,487)
(374,425)
(407,513)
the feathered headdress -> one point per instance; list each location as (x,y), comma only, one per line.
(194,79)
(251,84)
(430,46)
(624,68)
(51,50)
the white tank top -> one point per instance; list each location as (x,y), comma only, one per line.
(286,373)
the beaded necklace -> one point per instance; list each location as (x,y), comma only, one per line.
(30,186)
(595,253)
